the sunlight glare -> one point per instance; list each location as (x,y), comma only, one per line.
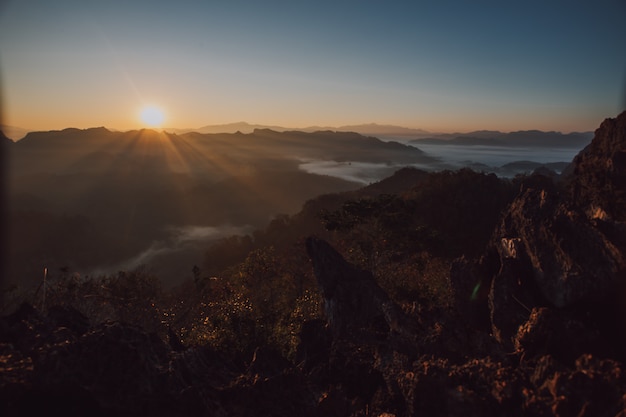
(152,116)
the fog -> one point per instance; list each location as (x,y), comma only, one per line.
(120,202)
(175,255)
(496,156)
(360,172)
(364,172)
(478,157)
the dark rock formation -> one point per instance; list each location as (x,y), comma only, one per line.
(559,245)
(571,259)
(598,178)
(353,301)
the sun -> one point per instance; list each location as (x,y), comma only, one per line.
(152,116)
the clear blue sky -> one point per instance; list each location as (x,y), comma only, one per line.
(437,65)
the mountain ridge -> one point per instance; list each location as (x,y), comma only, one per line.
(387,130)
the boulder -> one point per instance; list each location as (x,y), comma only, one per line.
(353,302)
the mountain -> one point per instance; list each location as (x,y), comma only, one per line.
(4,140)
(371,129)
(446,294)
(75,149)
(241,127)
(15,133)
(375,129)
(125,195)
(480,137)
(527,138)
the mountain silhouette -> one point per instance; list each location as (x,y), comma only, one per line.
(524,138)
(118,194)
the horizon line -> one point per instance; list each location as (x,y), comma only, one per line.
(408,131)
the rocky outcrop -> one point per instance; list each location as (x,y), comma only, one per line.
(598,178)
(571,259)
(560,246)
(353,301)
(545,375)
(431,364)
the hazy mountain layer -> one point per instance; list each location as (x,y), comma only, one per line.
(527,138)
(96,198)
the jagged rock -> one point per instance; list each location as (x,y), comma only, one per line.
(365,324)
(598,177)
(509,299)
(550,254)
(571,260)
(565,249)
(550,331)
(353,301)
(561,246)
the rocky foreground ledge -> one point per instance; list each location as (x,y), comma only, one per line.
(537,329)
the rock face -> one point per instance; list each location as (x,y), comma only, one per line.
(561,246)
(571,259)
(598,180)
(353,301)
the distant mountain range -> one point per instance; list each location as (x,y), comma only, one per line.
(364,129)
(372,129)
(533,138)
(524,138)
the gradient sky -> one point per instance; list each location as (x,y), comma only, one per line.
(436,65)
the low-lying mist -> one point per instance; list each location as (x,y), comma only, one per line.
(177,253)
(503,161)
(97,202)
(359,172)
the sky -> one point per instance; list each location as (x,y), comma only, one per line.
(441,65)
